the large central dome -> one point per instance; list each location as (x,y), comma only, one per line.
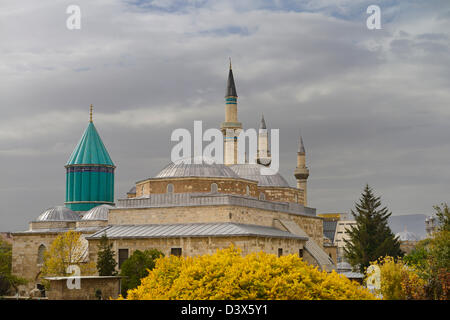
(253,172)
(196,167)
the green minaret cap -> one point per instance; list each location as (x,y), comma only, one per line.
(90,149)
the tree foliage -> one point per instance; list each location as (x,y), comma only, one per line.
(136,267)
(106,264)
(7,280)
(229,275)
(443,216)
(431,257)
(67,249)
(399,281)
(371,237)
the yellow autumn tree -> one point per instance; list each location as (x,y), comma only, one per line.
(229,275)
(67,249)
(399,281)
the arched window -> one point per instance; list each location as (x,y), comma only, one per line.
(262,196)
(170,188)
(247,190)
(40,257)
(296,198)
(214,187)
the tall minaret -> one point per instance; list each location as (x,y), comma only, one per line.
(301,172)
(263,144)
(230,127)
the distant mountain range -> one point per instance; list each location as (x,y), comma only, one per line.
(414,223)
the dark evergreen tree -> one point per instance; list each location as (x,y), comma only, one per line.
(137,267)
(106,264)
(371,237)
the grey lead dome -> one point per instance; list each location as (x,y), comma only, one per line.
(98,213)
(205,168)
(253,172)
(58,213)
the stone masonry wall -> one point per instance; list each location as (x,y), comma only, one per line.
(312,225)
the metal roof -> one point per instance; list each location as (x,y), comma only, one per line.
(196,167)
(263,123)
(252,171)
(61,230)
(58,213)
(301,146)
(329,229)
(322,258)
(132,190)
(98,213)
(192,230)
(231,87)
(352,275)
(164,200)
(90,149)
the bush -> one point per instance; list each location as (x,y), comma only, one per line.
(228,275)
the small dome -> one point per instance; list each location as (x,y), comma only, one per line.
(58,213)
(253,172)
(407,236)
(188,167)
(98,213)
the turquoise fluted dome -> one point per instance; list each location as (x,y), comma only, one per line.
(89,173)
(90,149)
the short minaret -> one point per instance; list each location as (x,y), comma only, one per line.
(263,144)
(230,127)
(301,172)
(89,173)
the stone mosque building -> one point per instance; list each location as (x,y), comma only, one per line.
(185,209)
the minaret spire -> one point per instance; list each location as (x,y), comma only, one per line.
(263,123)
(231,127)
(301,172)
(263,144)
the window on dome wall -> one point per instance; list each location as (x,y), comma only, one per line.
(40,258)
(262,196)
(247,190)
(170,188)
(214,187)
(280,252)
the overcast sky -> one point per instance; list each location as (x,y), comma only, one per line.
(373,106)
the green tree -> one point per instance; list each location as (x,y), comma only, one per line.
(431,257)
(136,267)
(7,280)
(371,237)
(443,216)
(106,264)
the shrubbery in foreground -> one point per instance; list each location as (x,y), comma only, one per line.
(228,275)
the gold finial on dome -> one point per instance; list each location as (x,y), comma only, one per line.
(91,113)
(230,62)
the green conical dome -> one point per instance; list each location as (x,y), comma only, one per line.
(89,173)
(90,149)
